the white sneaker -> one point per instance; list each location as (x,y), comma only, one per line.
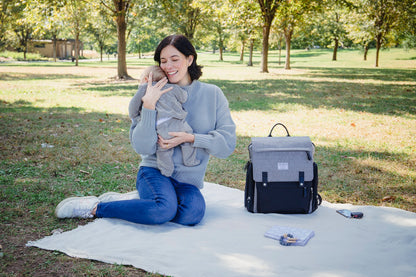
(116,196)
(76,207)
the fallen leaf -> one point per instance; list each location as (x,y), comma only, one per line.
(388,198)
(353,124)
(348,157)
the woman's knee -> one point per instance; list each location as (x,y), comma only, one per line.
(159,193)
(164,211)
(191,210)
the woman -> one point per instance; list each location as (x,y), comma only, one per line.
(176,198)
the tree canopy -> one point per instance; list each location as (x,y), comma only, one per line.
(136,26)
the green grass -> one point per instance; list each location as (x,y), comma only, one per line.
(18,56)
(362,120)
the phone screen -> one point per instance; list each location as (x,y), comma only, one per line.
(345,212)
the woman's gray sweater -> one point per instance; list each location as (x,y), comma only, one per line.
(214,130)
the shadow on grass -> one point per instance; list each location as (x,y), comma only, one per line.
(26,107)
(92,155)
(80,139)
(299,54)
(98,143)
(285,94)
(345,178)
(37,76)
(405,59)
(345,175)
(381,74)
(38,64)
(113,89)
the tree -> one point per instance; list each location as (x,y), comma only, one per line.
(246,21)
(268,11)
(119,10)
(183,15)
(144,32)
(278,36)
(216,18)
(101,27)
(331,19)
(77,14)
(359,30)
(384,15)
(51,23)
(142,28)
(290,14)
(5,20)
(406,31)
(25,24)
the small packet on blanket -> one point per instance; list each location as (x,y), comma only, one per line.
(290,235)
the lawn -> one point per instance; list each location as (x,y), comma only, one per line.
(64,132)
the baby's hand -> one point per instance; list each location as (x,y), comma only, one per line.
(153,93)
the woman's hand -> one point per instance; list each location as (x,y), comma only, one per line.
(177,139)
(153,93)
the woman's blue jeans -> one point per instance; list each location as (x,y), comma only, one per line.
(162,199)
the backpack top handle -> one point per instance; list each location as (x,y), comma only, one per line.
(270,134)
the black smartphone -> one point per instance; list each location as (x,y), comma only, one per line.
(349,214)
(345,212)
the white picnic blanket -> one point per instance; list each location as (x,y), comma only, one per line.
(231,242)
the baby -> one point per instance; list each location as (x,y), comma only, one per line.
(170,118)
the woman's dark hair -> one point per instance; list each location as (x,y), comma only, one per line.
(184,46)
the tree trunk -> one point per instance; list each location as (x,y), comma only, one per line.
(121,48)
(25,42)
(334,53)
(54,47)
(280,48)
(76,48)
(365,51)
(265,51)
(242,51)
(220,41)
(378,46)
(221,56)
(268,10)
(250,57)
(221,47)
(288,38)
(101,52)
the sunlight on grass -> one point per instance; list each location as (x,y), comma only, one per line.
(361,119)
(64,132)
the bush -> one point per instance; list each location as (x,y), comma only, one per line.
(18,56)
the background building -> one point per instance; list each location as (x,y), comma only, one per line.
(65,48)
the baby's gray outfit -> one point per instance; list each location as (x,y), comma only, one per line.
(170,118)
